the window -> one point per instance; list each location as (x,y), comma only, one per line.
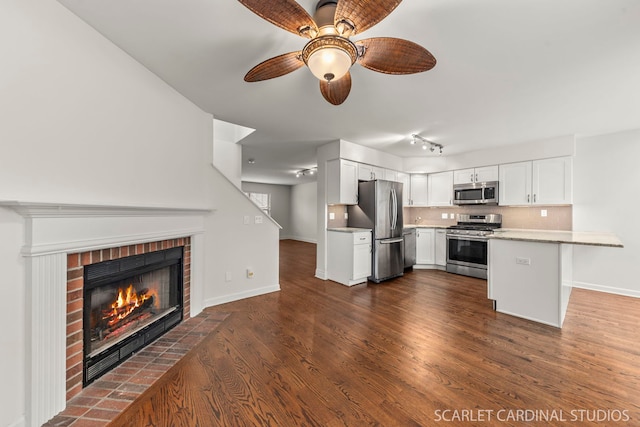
(263,200)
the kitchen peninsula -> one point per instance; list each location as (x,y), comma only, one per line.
(530,271)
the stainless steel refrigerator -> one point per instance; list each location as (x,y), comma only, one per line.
(380,209)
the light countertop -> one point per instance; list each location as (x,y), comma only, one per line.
(552,236)
(348,229)
(426,226)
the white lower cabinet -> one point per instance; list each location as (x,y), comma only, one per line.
(431,248)
(349,256)
(441,248)
(425,246)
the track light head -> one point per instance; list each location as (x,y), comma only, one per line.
(432,145)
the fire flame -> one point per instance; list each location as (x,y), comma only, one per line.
(128,300)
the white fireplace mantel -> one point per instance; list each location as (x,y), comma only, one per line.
(51,232)
(61,228)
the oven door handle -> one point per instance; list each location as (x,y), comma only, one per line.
(461,237)
(390,241)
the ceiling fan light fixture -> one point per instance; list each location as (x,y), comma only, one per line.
(329,57)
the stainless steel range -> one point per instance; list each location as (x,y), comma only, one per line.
(467,247)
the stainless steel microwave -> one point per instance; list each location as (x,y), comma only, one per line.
(476,193)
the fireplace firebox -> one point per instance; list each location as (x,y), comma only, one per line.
(128,303)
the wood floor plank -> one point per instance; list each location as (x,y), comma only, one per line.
(398,353)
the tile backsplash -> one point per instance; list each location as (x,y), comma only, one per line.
(338,212)
(558,217)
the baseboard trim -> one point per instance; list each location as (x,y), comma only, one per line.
(321,274)
(607,289)
(210,302)
(304,239)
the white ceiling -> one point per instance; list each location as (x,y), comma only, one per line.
(508,71)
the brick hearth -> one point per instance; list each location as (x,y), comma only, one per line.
(100,402)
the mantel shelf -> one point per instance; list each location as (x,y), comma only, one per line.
(66,210)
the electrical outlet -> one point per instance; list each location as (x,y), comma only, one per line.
(250,273)
(258,219)
(247,220)
(332,215)
(445,215)
(452,216)
(543,212)
(523,261)
(346,215)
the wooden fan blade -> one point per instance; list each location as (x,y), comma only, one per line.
(395,56)
(337,91)
(286,14)
(275,67)
(364,14)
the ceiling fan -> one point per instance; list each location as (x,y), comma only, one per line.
(329,53)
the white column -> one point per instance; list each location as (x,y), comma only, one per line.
(46,325)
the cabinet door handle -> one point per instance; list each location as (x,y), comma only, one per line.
(534,198)
(471,179)
(476,177)
(528,198)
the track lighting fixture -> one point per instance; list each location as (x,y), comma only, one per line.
(426,144)
(306,172)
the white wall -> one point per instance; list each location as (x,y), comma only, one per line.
(81,121)
(233,247)
(227,158)
(280,203)
(371,156)
(227,153)
(304,216)
(606,177)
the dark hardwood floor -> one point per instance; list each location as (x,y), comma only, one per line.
(425,349)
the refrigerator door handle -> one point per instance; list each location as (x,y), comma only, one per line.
(390,241)
(391,208)
(394,208)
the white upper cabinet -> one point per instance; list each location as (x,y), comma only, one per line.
(515,184)
(440,189)
(405,179)
(486,174)
(552,181)
(483,174)
(390,175)
(369,173)
(419,189)
(540,182)
(342,182)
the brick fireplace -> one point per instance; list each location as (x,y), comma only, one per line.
(76,263)
(60,240)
